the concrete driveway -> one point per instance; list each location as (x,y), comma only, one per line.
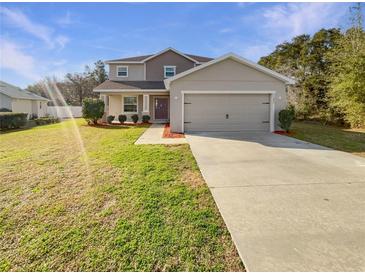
(289,205)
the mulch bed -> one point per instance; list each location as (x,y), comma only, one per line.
(282,132)
(168,134)
(124,124)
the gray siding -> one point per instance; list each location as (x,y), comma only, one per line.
(5,101)
(135,72)
(227,75)
(155,66)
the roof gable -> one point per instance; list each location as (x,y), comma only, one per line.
(174,50)
(236,58)
(143,58)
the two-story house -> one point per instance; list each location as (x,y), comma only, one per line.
(195,93)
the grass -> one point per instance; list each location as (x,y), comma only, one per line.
(348,140)
(121,208)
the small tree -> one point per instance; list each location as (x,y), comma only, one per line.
(92,110)
(286,117)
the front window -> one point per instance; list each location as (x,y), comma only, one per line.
(169,71)
(122,71)
(130,104)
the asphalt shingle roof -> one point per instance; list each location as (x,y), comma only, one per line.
(18,93)
(142,57)
(137,85)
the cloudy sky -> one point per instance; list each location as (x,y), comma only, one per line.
(46,39)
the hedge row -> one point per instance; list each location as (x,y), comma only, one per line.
(46,120)
(9,120)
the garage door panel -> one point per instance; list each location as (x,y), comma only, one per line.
(208,112)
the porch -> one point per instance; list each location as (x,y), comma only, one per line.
(155,105)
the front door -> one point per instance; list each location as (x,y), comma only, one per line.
(161,108)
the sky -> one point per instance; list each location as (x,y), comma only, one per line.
(52,39)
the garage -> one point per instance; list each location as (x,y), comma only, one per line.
(229,93)
(226,112)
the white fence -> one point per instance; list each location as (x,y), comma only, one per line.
(65,112)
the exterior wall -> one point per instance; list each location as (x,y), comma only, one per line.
(227,75)
(5,101)
(20,105)
(135,72)
(155,66)
(115,106)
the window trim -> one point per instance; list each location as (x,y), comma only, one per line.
(164,71)
(117,70)
(129,112)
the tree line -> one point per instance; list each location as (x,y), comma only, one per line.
(329,68)
(74,88)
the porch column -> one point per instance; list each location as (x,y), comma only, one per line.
(146,104)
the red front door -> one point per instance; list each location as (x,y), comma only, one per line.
(161,108)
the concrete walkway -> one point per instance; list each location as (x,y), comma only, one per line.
(289,205)
(153,136)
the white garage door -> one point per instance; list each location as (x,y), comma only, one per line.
(226,112)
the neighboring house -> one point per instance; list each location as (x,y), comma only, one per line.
(19,100)
(195,93)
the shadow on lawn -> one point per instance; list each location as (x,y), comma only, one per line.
(14,130)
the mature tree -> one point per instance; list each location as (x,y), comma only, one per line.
(99,73)
(304,58)
(347,89)
(75,86)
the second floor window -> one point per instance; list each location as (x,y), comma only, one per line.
(122,71)
(169,71)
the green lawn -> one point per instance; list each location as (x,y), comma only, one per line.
(80,198)
(349,140)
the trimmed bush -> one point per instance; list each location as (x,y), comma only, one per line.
(134,118)
(46,121)
(9,120)
(5,110)
(92,110)
(146,118)
(286,117)
(110,119)
(122,118)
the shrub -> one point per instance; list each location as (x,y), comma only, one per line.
(135,118)
(46,120)
(110,119)
(92,110)
(286,117)
(33,117)
(10,120)
(5,110)
(122,118)
(146,118)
